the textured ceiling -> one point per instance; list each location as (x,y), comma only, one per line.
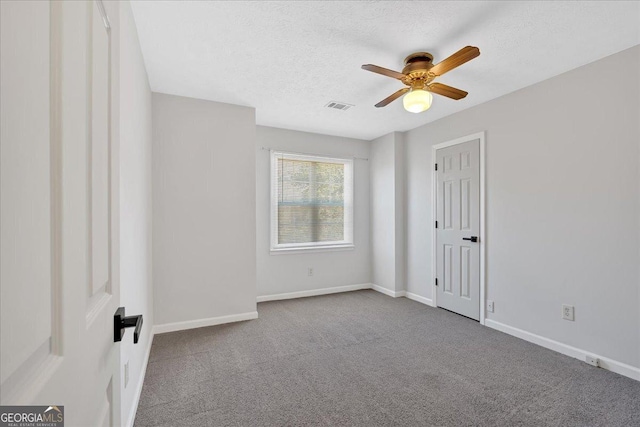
(288,59)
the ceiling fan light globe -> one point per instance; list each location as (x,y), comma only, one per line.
(417,100)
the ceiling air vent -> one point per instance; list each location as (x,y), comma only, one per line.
(338,105)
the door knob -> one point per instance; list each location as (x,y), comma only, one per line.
(120,323)
(472,238)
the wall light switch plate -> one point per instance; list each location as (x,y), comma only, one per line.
(310,271)
(490,306)
(568,312)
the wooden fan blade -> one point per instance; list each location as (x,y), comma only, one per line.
(389,99)
(448,91)
(383,71)
(465,54)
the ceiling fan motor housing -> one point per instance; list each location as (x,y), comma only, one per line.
(416,70)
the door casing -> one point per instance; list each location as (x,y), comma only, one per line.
(434,197)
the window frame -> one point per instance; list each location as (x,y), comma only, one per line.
(349,214)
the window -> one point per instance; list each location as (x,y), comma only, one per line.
(311,202)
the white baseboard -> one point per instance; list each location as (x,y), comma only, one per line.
(395,294)
(143,371)
(201,323)
(418,298)
(605,363)
(314,292)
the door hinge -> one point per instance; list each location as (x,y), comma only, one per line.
(436,166)
(436,282)
(436,224)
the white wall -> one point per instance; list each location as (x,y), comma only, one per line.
(563,205)
(204,209)
(136,285)
(387,211)
(286,273)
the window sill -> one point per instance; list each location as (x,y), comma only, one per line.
(312,249)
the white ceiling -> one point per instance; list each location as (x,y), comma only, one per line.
(288,59)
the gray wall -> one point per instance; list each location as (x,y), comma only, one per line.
(287,272)
(563,205)
(204,209)
(387,211)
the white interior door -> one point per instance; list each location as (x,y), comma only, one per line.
(59,225)
(458,228)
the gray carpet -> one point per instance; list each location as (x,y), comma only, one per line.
(365,359)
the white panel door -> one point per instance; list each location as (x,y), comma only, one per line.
(59,287)
(458,228)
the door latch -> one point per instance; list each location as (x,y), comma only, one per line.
(120,323)
(472,238)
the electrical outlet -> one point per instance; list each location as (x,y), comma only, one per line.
(126,374)
(568,312)
(592,360)
(310,271)
(490,306)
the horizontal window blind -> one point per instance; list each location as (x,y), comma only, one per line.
(311,201)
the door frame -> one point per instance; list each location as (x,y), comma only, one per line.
(434,199)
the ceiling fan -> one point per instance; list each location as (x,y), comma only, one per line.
(418,74)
